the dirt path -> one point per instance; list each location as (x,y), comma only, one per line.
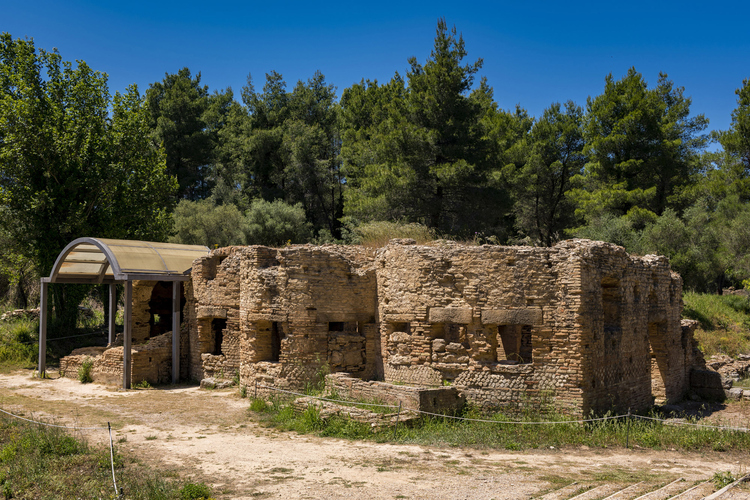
(207,435)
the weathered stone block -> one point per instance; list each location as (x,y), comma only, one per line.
(523,316)
(458,315)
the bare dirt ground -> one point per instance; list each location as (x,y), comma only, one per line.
(207,436)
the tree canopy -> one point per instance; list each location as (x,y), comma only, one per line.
(74,160)
(428,152)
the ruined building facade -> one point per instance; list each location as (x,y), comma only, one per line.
(581,326)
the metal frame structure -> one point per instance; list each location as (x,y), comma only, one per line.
(105,261)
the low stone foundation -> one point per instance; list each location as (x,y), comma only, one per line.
(151,362)
(444,400)
(377,421)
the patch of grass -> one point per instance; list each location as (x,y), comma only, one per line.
(438,431)
(724,322)
(721,479)
(47,463)
(192,491)
(378,233)
(143,384)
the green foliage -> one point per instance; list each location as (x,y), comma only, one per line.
(43,462)
(643,146)
(276,224)
(84,371)
(554,155)
(258,405)
(724,322)
(284,146)
(195,491)
(722,478)
(75,161)
(204,223)
(186,120)
(17,342)
(418,153)
(495,434)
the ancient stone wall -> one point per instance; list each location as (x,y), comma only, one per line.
(581,326)
(151,362)
(499,323)
(306,308)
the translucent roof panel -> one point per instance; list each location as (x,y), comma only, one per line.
(98,260)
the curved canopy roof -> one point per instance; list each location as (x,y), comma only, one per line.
(99,260)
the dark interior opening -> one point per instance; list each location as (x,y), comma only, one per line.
(160,308)
(218,326)
(335,326)
(275,341)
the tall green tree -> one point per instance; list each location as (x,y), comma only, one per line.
(73,161)
(285,146)
(540,186)
(643,146)
(426,156)
(186,120)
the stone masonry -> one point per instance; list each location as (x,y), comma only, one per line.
(582,326)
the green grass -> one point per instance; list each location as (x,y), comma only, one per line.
(47,463)
(437,431)
(724,322)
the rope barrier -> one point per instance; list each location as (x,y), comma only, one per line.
(118,493)
(511,422)
(60,338)
(440,414)
(691,424)
(52,425)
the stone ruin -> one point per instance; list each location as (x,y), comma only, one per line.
(582,326)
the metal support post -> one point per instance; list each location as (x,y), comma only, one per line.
(175,332)
(43,329)
(112,313)
(128,330)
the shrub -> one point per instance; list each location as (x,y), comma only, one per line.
(203,223)
(193,491)
(84,372)
(276,224)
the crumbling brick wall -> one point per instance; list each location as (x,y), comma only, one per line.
(581,326)
(150,361)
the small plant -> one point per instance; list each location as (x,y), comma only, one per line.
(84,372)
(193,491)
(258,405)
(150,438)
(143,384)
(722,479)
(236,377)
(243,391)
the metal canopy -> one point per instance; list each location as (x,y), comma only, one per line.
(99,260)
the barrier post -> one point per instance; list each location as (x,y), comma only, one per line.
(627,432)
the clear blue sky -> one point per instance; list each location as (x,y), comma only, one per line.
(534,54)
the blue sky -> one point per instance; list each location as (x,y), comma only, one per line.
(534,54)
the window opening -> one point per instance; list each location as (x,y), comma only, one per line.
(275,341)
(514,344)
(218,325)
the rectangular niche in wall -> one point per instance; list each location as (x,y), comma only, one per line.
(514,343)
(611,302)
(349,327)
(218,325)
(267,343)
